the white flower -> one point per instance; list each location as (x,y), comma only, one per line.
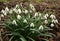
(19,11)
(25,21)
(2,11)
(52,25)
(17,6)
(5,13)
(6,9)
(36,14)
(32,25)
(55,21)
(2,15)
(32,7)
(14,22)
(11,11)
(46,15)
(52,16)
(15,10)
(18,17)
(26,11)
(46,22)
(41,27)
(30,11)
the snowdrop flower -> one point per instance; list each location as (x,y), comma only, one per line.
(26,11)
(2,15)
(46,15)
(6,9)
(19,11)
(25,21)
(2,11)
(36,14)
(52,16)
(15,10)
(32,25)
(55,21)
(18,17)
(5,13)
(30,11)
(46,22)
(52,25)
(17,6)
(41,27)
(14,22)
(32,7)
(11,11)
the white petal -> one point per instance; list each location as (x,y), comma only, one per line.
(25,21)
(26,11)
(52,25)
(2,11)
(14,22)
(46,22)
(6,9)
(41,27)
(52,16)
(32,25)
(2,15)
(18,17)
(19,11)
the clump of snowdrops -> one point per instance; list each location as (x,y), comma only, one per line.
(27,24)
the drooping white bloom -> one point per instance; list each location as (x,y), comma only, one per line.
(19,11)
(32,7)
(52,25)
(14,22)
(55,21)
(46,15)
(26,11)
(18,17)
(32,25)
(46,22)
(41,27)
(3,11)
(6,9)
(25,21)
(15,10)
(36,14)
(30,11)
(2,15)
(52,16)
(17,6)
